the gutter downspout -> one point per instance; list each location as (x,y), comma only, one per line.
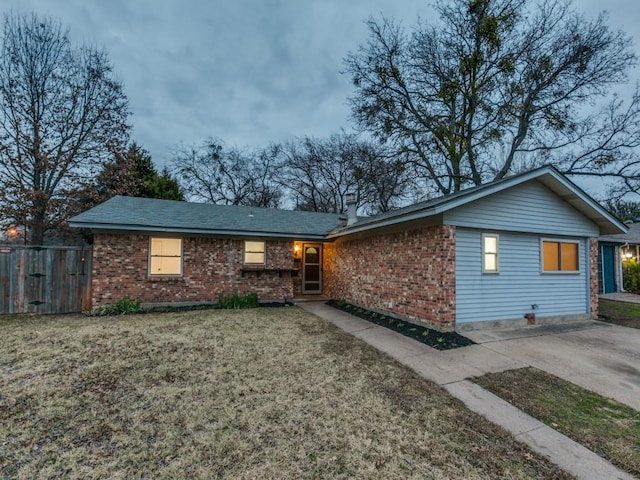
(588,273)
(620,282)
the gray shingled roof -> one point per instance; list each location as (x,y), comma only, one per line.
(632,236)
(145,214)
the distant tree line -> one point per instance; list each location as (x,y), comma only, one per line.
(306,173)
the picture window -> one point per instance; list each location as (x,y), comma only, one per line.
(560,256)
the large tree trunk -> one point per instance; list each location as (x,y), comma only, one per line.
(37,223)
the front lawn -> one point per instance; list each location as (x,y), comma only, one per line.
(609,428)
(260,393)
(621,313)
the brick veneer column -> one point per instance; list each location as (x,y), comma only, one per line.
(593,262)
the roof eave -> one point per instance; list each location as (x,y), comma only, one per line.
(416,215)
(197,231)
(581,201)
(548,176)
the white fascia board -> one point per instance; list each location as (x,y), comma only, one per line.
(597,210)
(384,223)
(484,192)
(437,209)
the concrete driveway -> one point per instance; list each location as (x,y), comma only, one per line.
(598,356)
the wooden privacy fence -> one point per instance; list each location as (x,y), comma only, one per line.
(44,279)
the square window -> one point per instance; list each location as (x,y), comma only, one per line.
(560,256)
(165,256)
(490,253)
(254,253)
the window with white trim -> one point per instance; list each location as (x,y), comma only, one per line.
(560,256)
(254,252)
(490,243)
(165,256)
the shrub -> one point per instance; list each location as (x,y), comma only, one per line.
(233,301)
(631,275)
(123,306)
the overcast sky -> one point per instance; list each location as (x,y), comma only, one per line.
(249,72)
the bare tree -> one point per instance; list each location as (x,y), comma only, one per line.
(498,86)
(388,183)
(60,112)
(213,174)
(318,173)
(624,209)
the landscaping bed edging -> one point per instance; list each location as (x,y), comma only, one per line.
(428,336)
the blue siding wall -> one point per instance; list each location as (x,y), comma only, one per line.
(510,293)
(529,207)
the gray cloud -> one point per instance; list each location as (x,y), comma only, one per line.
(249,72)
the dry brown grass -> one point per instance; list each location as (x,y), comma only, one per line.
(605,426)
(264,393)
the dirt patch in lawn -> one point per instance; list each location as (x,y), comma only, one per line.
(607,427)
(260,393)
(621,313)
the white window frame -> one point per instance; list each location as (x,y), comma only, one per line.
(152,274)
(496,253)
(245,251)
(559,272)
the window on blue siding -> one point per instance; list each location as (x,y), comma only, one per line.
(490,244)
(560,256)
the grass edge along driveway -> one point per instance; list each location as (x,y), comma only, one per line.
(260,393)
(626,314)
(604,426)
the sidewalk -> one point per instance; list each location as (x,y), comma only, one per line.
(621,297)
(451,368)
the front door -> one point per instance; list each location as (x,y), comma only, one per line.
(312,268)
(608,274)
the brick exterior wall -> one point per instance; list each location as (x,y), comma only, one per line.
(593,275)
(414,271)
(211,266)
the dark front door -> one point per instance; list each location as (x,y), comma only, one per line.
(608,273)
(312,268)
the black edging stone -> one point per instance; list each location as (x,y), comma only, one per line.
(428,336)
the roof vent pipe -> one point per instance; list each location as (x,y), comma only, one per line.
(352,216)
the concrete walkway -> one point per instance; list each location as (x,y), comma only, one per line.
(621,297)
(452,368)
